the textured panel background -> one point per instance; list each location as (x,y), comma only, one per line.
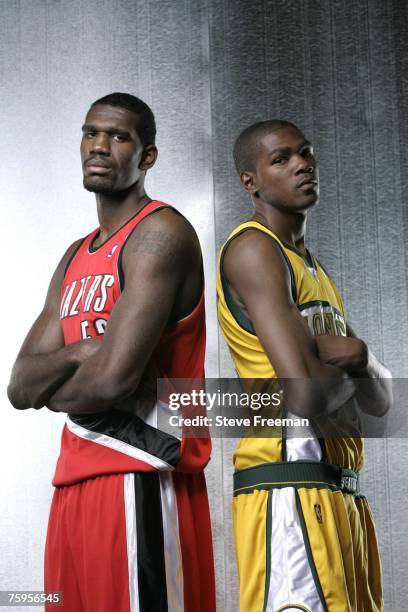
(208,68)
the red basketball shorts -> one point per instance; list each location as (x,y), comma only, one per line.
(138,542)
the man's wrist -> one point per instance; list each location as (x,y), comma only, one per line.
(76,353)
(362,360)
(80,351)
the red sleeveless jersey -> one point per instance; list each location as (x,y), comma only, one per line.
(115,441)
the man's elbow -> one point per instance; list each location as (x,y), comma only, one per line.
(305,403)
(18,392)
(375,396)
(17,399)
(310,397)
(375,408)
(383,409)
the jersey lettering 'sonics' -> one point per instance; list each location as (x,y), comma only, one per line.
(323,318)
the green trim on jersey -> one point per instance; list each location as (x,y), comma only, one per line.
(268,548)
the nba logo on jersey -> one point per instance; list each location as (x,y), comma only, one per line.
(113,249)
(319,515)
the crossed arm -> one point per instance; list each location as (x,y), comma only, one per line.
(94,375)
(44,363)
(372,379)
(321,367)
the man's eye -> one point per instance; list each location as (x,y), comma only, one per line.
(279,160)
(89,134)
(119,138)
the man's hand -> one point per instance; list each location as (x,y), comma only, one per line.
(349,354)
(85,349)
(372,379)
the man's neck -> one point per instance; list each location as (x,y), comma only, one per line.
(290,227)
(115,210)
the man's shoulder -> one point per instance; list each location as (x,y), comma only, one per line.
(167,219)
(253,262)
(165,233)
(251,245)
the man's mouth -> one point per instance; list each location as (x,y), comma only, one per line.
(97,166)
(308,183)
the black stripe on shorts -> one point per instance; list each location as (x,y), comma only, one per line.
(150,543)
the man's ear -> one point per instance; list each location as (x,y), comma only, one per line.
(248,180)
(149,157)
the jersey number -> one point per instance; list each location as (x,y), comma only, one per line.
(99,326)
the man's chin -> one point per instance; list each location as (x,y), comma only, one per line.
(98,185)
(309,201)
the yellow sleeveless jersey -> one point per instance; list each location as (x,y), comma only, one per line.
(319,301)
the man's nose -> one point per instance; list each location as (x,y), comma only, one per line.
(100,144)
(304,165)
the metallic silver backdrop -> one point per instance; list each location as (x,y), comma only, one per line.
(208,68)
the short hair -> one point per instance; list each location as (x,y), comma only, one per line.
(246,147)
(146,127)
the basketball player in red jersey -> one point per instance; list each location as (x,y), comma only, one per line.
(129,526)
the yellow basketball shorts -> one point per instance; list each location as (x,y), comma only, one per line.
(305,540)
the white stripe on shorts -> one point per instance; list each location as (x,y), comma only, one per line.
(172,548)
(291,579)
(131,540)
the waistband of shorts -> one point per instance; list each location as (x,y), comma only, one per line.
(298,474)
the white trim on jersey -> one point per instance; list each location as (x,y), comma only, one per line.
(305,448)
(118,445)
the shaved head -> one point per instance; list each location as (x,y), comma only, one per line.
(247,144)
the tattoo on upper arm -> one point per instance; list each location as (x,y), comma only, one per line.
(155,243)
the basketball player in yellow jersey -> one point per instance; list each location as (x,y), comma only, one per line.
(304,534)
